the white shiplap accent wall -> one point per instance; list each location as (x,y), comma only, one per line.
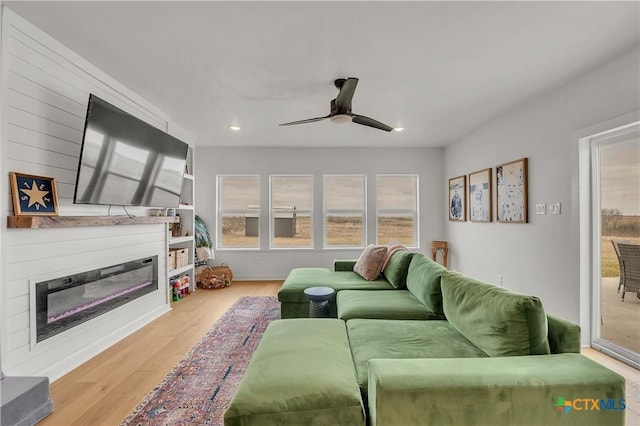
(37,255)
(45,89)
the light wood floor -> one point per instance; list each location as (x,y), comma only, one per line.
(105,389)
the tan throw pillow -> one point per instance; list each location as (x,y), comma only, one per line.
(369,265)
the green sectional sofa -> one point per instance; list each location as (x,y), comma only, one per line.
(295,304)
(423,346)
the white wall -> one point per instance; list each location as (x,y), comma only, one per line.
(276,264)
(541,257)
(45,89)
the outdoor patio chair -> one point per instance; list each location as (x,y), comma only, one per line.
(629,259)
(615,247)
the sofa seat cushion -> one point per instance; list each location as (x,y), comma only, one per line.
(499,321)
(381,304)
(300,374)
(374,338)
(298,279)
(423,280)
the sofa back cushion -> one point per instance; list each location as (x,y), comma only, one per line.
(498,321)
(423,281)
(397,267)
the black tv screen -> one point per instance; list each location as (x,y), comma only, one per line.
(127,162)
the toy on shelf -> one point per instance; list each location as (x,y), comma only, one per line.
(179,287)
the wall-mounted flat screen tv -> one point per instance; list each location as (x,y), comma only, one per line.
(127,162)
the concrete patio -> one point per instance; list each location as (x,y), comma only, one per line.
(620,320)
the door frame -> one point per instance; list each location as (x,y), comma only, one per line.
(588,141)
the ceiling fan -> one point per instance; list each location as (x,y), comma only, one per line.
(341,108)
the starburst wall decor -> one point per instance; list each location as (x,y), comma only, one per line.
(33,195)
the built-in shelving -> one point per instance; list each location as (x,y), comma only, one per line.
(185,215)
(178,240)
(37,222)
(180,271)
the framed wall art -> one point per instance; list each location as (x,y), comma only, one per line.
(33,195)
(480,203)
(458,199)
(511,182)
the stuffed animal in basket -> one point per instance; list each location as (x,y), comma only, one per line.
(215,277)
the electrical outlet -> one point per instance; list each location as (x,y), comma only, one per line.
(554,208)
(500,280)
(541,208)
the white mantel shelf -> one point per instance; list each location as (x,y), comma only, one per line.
(37,222)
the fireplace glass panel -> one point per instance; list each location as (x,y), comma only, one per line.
(65,302)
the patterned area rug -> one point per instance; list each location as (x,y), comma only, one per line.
(198,390)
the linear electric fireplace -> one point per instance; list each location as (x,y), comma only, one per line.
(65,302)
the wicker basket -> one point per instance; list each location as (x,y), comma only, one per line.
(212,277)
(171,260)
(182,257)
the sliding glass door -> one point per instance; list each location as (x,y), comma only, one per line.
(615,228)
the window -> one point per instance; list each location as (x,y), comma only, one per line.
(238,211)
(344,210)
(291,211)
(397,209)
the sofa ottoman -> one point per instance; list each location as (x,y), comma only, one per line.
(563,389)
(300,374)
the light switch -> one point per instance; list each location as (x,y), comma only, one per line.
(541,208)
(554,208)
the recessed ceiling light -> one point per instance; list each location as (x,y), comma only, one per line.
(234,127)
(398,129)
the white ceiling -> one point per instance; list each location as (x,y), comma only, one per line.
(440,69)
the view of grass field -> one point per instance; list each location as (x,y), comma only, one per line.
(233,233)
(396,230)
(344,231)
(341,231)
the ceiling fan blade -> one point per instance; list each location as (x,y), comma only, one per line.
(366,121)
(343,100)
(308,120)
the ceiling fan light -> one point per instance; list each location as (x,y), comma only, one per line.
(341,119)
(234,127)
(398,129)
